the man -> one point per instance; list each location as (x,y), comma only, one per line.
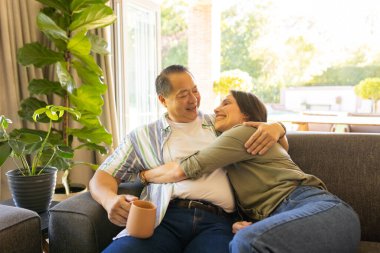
(184,226)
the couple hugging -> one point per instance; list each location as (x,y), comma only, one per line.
(220,185)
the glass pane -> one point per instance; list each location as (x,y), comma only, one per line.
(141,65)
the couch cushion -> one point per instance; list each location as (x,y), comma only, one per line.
(349,166)
(20,230)
(369,247)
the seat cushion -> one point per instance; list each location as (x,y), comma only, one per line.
(369,247)
(20,230)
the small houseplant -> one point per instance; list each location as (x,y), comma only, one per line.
(67,25)
(32,183)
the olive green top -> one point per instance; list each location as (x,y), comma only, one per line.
(260,182)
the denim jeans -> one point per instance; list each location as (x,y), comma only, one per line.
(182,230)
(308,220)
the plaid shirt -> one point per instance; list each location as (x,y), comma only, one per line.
(143,149)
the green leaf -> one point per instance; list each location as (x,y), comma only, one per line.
(37,113)
(89,63)
(89,120)
(5,152)
(52,115)
(29,138)
(43,86)
(63,21)
(4,122)
(28,106)
(94,147)
(61,5)
(32,142)
(87,76)
(50,28)
(87,99)
(77,5)
(38,55)
(94,16)
(99,45)
(55,138)
(64,77)
(18,147)
(79,44)
(65,152)
(58,162)
(95,135)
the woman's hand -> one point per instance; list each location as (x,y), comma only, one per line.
(240,225)
(167,173)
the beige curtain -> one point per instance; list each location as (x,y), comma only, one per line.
(18,27)
(109,110)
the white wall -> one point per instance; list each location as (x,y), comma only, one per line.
(323,98)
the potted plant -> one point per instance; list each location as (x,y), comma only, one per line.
(32,183)
(78,81)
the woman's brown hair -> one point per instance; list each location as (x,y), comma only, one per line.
(250,105)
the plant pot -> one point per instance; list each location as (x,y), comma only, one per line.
(32,192)
(60,194)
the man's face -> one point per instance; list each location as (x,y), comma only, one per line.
(183,101)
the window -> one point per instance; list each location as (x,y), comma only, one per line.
(136,63)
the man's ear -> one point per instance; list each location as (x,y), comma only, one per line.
(162,100)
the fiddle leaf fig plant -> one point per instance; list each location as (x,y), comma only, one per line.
(78,81)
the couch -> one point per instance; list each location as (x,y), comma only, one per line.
(348,163)
(20,230)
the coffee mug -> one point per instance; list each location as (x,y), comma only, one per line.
(141,219)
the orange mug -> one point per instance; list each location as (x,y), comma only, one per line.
(141,219)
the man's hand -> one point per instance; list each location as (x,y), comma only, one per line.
(118,208)
(240,225)
(264,138)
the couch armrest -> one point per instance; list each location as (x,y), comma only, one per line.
(80,224)
(20,230)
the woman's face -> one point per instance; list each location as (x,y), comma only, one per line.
(228,114)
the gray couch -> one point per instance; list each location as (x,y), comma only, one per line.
(19,230)
(349,164)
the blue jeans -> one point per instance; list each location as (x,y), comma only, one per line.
(308,220)
(182,230)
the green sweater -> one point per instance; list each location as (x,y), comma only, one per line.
(260,182)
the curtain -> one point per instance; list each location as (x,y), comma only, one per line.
(18,27)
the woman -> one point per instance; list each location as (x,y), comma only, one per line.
(283,208)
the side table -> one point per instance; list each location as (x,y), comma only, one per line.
(44,216)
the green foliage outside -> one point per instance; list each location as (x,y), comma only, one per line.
(245,46)
(369,89)
(174,32)
(67,24)
(233,80)
(344,75)
(237,34)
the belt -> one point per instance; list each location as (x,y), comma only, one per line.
(203,205)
